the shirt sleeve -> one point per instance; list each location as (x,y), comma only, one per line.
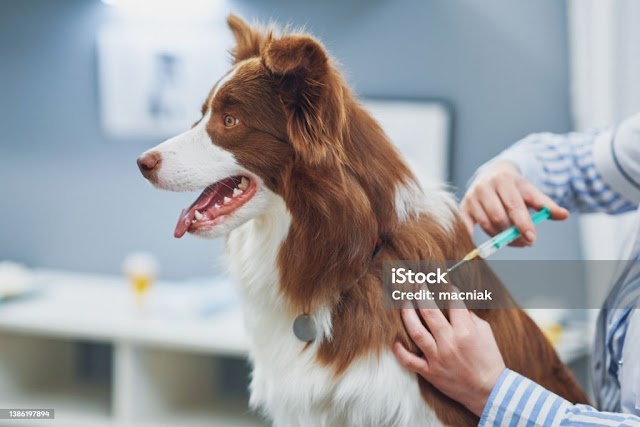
(617,159)
(595,171)
(516,400)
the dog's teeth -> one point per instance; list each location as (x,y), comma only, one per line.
(226,200)
(216,206)
(198,216)
(193,221)
(237,192)
(244,183)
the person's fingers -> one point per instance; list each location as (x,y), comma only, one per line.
(468,222)
(480,323)
(418,333)
(459,314)
(516,209)
(474,317)
(478,215)
(494,209)
(438,324)
(537,199)
(409,360)
(520,242)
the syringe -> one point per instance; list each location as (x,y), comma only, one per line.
(492,245)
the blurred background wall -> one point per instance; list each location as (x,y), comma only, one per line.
(73,198)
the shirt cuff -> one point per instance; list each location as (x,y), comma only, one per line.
(616,156)
(516,398)
(491,407)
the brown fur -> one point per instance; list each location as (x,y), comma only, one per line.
(304,134)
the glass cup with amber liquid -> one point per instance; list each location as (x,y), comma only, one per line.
(140,269)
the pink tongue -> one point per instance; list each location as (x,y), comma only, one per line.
(187,215)
(183,223)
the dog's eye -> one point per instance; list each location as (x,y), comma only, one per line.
(230,121)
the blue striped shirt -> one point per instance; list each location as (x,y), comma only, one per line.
(586,172)
(518,401)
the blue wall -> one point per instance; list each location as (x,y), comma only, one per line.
(73,198)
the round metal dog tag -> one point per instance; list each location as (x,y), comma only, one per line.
(304,328)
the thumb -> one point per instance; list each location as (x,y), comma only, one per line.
(537,199)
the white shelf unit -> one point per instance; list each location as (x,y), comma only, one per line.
(166,354)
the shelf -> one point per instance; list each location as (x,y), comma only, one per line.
(174,358)
(74,404)
(184,388)
(40,372)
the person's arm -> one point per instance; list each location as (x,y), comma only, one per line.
(516,399)
(461,358)
(587,172)
(575,170)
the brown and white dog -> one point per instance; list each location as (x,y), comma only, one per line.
(302,182)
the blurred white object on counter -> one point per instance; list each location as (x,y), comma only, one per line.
(15,280)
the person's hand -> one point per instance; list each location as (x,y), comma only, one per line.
(500,197)
(461,357)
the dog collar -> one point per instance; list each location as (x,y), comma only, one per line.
(304,327)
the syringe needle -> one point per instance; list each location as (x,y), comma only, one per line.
(471,255)
(456,265)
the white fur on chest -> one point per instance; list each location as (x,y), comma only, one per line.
(288,384)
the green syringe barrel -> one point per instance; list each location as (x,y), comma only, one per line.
(509,235)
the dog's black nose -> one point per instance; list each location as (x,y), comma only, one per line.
(149,163)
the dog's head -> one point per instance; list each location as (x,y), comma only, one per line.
(282,128)
(280,105)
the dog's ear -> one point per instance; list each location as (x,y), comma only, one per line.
(312,93)
(248,39)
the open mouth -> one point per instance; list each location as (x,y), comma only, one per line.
(216,201)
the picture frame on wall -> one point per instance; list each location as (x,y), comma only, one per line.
(151,84)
